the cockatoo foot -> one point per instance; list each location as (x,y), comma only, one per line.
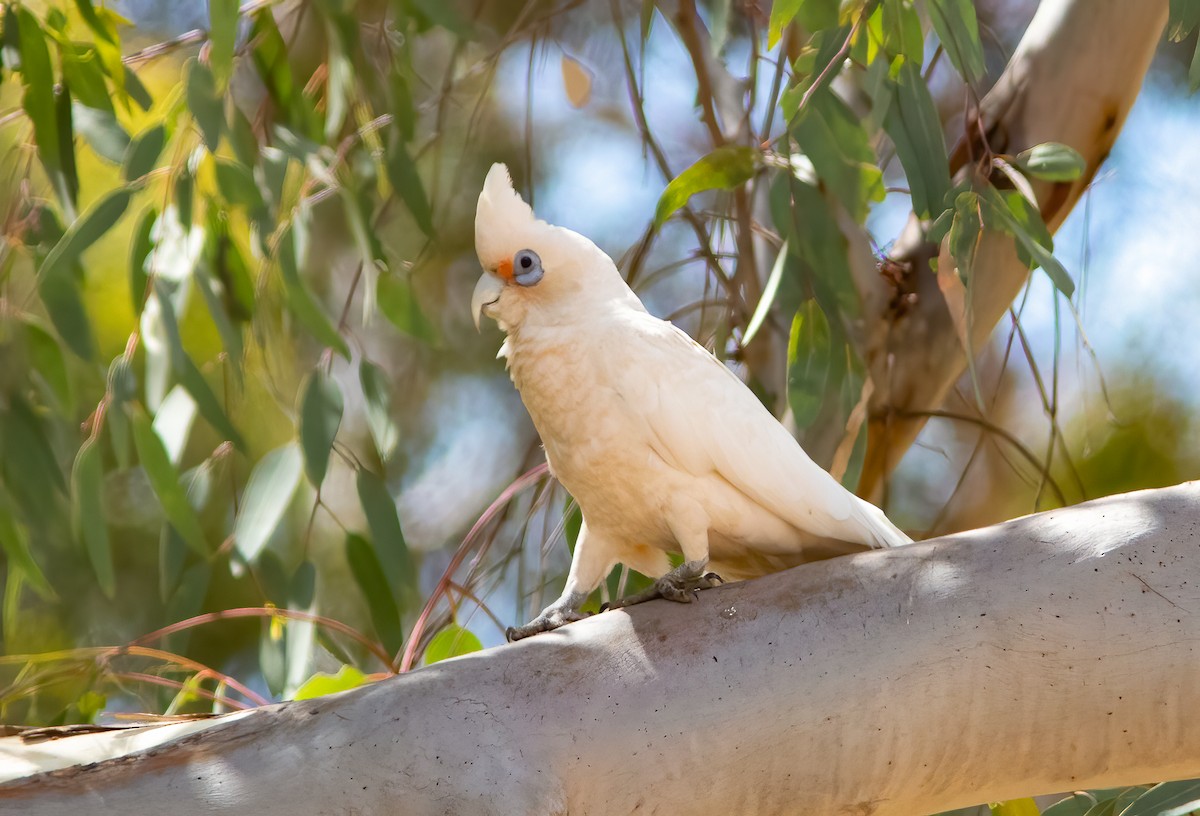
(549,619)
(681,585)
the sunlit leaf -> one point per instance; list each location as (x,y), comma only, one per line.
(164,480)
(768,296)
(324,683)
(388,540)
(808,359)
(266,498)
(913,124)
(320,416)
(958,30)
(173,422)
(87,514)
(377,393)
(452,641)
(814,14)
(1052,161)
(369,574)
(724,168)
(1015,807)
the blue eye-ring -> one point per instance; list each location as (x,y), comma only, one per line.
(527,267)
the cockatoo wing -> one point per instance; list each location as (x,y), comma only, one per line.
(701,418)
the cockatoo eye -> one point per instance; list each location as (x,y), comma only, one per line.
(527,267)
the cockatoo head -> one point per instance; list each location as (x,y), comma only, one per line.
(534,271)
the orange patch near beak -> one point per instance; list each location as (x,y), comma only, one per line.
(504,270)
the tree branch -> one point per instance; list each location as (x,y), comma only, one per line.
(1051,653)
(1072,79)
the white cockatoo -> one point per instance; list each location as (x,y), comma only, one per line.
(662,446)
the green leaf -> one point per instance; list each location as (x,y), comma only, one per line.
(139,251)
(322,684)
(958,30)
(768,296)
(222,35)
(912,123)
(371,579)
(1184,17)
(452,641)
(1167,799)
(782,14)
(143,152)
(60,296)
(380,510)
(205,103)
(292,248)
(442,14)
(1013,214)
(902,35)
(102,131)
(837,144)
(237,185)
(394,297)
(48,366)
(808,358)
(87,514)
(377,393)
(266,499)
(189,374)
(187,601)
(92,225)
(231,334)
(1194,69)
(39,101)
(402,174)
(164,481)
(724,168)
(320,416)
(965,231)
(14,540)
(270,56)
(1015,807)
(1052,161)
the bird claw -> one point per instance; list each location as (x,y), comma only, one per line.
(672,588)
(549,619)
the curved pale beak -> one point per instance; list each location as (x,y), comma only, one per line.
(487,292)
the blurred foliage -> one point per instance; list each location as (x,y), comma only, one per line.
(202,419)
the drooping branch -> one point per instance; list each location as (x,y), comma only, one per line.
(1050,653)
(1072,79)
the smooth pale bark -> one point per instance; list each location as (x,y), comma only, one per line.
(1054,652)
(1072,79)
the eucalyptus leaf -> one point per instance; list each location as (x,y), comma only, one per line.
(266,499)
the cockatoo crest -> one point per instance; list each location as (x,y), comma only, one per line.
(502,219)
(535,270)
